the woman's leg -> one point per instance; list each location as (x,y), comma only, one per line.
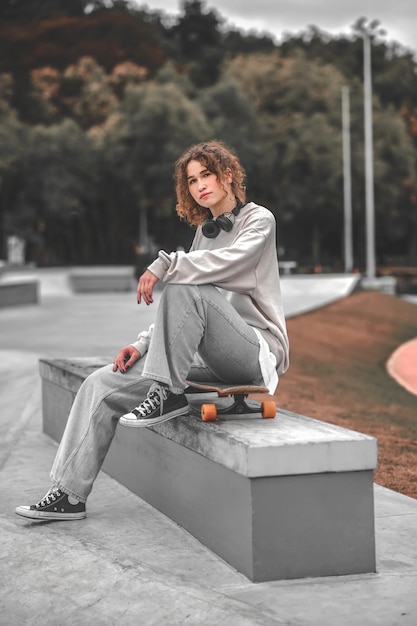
(198,319)
(91,425)
(90,429)
(190,318)
(193,319)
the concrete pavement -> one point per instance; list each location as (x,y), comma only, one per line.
(127,563)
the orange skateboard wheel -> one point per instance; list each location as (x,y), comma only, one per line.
(269,409)
(208,412)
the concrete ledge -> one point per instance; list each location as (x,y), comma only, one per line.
(15,291)
(384,284)
(102,279)
(277,499)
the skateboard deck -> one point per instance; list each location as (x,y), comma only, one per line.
(239,394)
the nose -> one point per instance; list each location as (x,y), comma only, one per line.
(201,184)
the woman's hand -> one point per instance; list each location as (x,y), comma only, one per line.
(125,359)
(145,287)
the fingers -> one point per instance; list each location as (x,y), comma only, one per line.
(132,360)
(145,287)
(119,362)
(145,291)
(125,359)
(145,296)
(119,365)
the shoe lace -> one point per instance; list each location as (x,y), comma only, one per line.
(155,399)
(51,496)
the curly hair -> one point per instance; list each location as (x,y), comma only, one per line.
(217,158)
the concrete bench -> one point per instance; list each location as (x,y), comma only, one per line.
(102,279)
(15,291)
(277,499)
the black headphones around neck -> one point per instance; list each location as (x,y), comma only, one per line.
(212,226)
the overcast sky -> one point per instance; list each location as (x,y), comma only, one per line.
(398,17)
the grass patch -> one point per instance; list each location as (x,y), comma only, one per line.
(337,374)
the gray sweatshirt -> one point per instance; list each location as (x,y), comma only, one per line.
(243,263)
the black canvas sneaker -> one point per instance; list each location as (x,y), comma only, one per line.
(54,506)
(160,405)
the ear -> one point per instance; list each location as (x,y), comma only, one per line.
(229,175)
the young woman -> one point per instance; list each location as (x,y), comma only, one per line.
(220,318)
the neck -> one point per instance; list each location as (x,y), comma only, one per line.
(227,206)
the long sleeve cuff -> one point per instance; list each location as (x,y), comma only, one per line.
(160,266)
(143,340)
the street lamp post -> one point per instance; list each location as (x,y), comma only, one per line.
(368,31)
(369,158)
(347,185)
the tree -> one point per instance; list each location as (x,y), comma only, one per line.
(33,10)
(235,120)
(393,65)
(56,189)
(134,88)
(198,38)
(157,122)
(12,150)
(109,37)
(396,182)
(83,92)
(312,187)
(86,95)
(299,103)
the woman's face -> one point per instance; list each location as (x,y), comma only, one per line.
(208,191)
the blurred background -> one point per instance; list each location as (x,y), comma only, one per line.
(99,98)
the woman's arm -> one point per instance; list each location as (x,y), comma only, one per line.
(231,267)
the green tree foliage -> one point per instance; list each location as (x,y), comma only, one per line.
(109,37)
(198,39)
(234,119)
(98,99)
(393,65)
(395,173)
(33,10)
(57,185)
(155,124)
(12,154)
(299,101)
(83,92)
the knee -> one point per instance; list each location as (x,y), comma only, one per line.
(97,384)
(101,377)
(180,293)
(184,291)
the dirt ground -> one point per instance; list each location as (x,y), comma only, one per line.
(338,375)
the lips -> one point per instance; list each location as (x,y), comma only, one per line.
(204,195)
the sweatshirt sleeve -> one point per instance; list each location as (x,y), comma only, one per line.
(143,340)
(231,267)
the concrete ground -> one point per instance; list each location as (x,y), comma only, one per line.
(127,563)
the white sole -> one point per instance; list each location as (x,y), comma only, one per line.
(145,423)
(39,515)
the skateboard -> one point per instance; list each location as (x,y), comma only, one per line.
(239,393)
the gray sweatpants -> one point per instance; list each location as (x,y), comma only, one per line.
(192,321)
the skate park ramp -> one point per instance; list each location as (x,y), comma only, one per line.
(306,292)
